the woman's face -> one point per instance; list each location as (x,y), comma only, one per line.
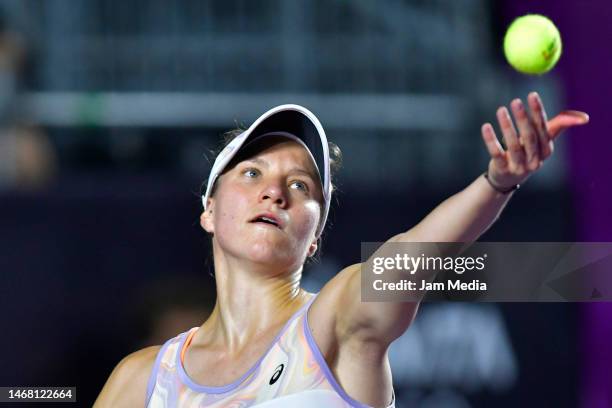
(275,182)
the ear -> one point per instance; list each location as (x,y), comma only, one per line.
(206,218)
(313,247)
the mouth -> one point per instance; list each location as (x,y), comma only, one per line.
(267,219)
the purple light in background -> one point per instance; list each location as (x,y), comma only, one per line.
(586,70)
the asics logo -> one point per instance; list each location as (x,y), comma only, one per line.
(277,373)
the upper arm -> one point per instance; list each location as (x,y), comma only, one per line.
(376,324)
(127,384)
(371,322)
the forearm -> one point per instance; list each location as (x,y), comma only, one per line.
(462,217)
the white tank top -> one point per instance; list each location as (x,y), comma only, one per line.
(291,373)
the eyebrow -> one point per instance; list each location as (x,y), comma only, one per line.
(298,170)
(257,160)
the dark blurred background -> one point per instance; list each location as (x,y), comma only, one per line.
(108,115)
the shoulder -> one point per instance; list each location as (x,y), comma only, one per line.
(344,320)
(358,361)
(333,293)
(127,384)
(325,310)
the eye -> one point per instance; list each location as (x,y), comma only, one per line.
(251,172)
(300,185)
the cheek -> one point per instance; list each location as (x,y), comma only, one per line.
(232,207)
(310,218)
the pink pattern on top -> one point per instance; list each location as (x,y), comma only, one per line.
(292,364)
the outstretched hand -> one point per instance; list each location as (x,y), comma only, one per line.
(528,148)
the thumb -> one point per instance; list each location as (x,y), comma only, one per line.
(565,120)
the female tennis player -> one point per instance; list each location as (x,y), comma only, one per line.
(269,343)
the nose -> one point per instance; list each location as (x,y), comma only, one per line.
(275,193)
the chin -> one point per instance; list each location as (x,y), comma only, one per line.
(264,247)
(264,251)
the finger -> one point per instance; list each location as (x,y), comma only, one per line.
(527,133)
(515,150)
(565,120)
(495,149)
(540,122)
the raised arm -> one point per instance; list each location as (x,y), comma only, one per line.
(461,218)
(468,214)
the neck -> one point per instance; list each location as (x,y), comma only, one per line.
(251,301)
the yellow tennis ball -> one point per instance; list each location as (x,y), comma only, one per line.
(532,44)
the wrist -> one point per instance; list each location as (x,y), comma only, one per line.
(498,188)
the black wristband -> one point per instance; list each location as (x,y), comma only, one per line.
(498,189)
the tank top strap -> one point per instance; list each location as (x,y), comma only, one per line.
(161,355)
